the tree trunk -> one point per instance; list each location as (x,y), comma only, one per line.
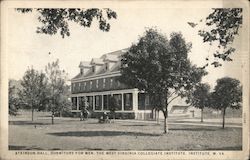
(201,114)
(166,121)
(155,115)
(52,118)
(157,118)
(32,114)
(223,117)
(165,124)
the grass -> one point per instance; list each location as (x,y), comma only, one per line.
(72,134)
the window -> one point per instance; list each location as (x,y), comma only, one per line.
(84,85)
(104,82)
(106,102)
(111,82)
(72,87)
(90,102)
(128,101)
(74,103)
(98,102)
(90,86)
(81,71)
(144,101)
(83,102)
(141,101)
(93,68)
(78,87)
(97,83)
(118,98)
(80,101)
(81,86)
(106,66)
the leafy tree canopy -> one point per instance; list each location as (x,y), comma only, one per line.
(158,65)
(58,92)
(33,94)
(56,19)
(161,68)
(199,96)
(222,25)
(13,97)
(227,93)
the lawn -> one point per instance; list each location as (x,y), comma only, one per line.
(72,134)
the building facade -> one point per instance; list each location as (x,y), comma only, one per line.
(98,80)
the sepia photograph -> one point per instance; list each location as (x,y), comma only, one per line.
(125,80)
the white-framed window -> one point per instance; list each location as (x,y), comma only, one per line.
(90,84)
(85,85)
(111,82)
(104,83)
(97,83)
(81,87)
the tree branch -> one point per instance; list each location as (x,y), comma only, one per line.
(172,99)
(172,93)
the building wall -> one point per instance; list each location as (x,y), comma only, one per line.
(99,84)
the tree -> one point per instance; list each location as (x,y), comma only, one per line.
(227,94)
(34,85)
(57,19)
(199,97)
(222,25)
(57,88)
(84,108)
(161,68)
(13,98)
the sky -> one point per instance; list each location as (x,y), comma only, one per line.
(26,48)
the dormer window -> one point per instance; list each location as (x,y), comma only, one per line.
(106,66)
(81,71)
(93,68)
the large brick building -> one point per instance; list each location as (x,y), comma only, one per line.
(97,81)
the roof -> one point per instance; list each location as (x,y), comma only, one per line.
(111,57)
(84,64)
(97,61)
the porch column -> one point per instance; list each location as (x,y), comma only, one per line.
(94,102)
(135,99)
(77,103)
(102,102)
(122,102)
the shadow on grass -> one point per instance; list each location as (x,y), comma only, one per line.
(26,123)
(135,125)
(198,122)
(12,147)
(193,129)
(101,133)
